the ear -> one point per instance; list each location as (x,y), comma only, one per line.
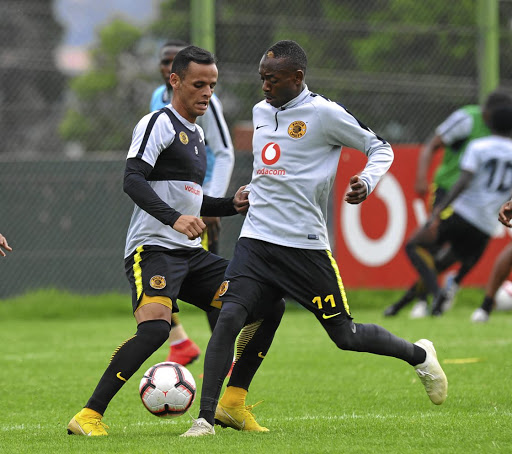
(299,76)
(175,81)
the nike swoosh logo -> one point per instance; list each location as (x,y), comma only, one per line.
(234,421)
(118,375)
(354,328)
(331,315)
(260,126)
(261,355)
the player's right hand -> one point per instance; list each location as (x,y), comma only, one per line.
(4,245)
(190,226)
(505,214)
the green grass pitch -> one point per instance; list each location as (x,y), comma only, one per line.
(316,398)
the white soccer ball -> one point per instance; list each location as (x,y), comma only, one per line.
(167,389)
(503,297)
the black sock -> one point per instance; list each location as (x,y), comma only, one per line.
(126,360)
(427,272)
(419,356)
(487,304)
(372,338)
(219,356)
(252,349)
(209,415)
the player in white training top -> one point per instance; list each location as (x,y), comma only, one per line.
(220,160)
(453,135)
(283,249)
(484,184)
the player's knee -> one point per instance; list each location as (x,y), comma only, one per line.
(154,331)
(232,318)
(345,336)
(344,342)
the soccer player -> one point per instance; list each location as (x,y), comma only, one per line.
(220,159)
(484,184)
(164,259)
(4,245)
(499,273)
(500,270)
(453,135)
(283,247)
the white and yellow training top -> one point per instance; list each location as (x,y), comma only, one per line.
(296,150)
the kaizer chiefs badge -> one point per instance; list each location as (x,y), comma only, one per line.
(183,138)
(223,288)
(297,129)
(157,282)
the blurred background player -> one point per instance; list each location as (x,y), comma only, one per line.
(220,161)
(4,245)
(453,135)
(499,273)
(484,184)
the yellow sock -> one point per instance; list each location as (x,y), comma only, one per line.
(233,397)
(87,412)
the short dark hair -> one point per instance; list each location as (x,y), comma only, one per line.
(292,52)
(501,119)
(191,54)
(497,98)
(174,43)
(180,44)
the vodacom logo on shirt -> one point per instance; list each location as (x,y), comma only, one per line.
(270,155)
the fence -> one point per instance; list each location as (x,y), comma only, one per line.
(400,66)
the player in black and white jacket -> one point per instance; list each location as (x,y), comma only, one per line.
(283,248)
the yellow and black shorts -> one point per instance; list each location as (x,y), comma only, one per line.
(262,273)
(192,275)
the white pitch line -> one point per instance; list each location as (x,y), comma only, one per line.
(377,416)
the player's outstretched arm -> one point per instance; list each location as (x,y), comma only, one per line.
(358,191)
(4,245)
(226,206)
(505,214)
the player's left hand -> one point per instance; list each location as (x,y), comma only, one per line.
(241,200)
(358,191)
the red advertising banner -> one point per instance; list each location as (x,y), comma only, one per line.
(370,237)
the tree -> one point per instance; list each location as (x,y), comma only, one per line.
(383,58)
(108,100)
(419,37)
(31,86)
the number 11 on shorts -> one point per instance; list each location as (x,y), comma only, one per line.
(328,299)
